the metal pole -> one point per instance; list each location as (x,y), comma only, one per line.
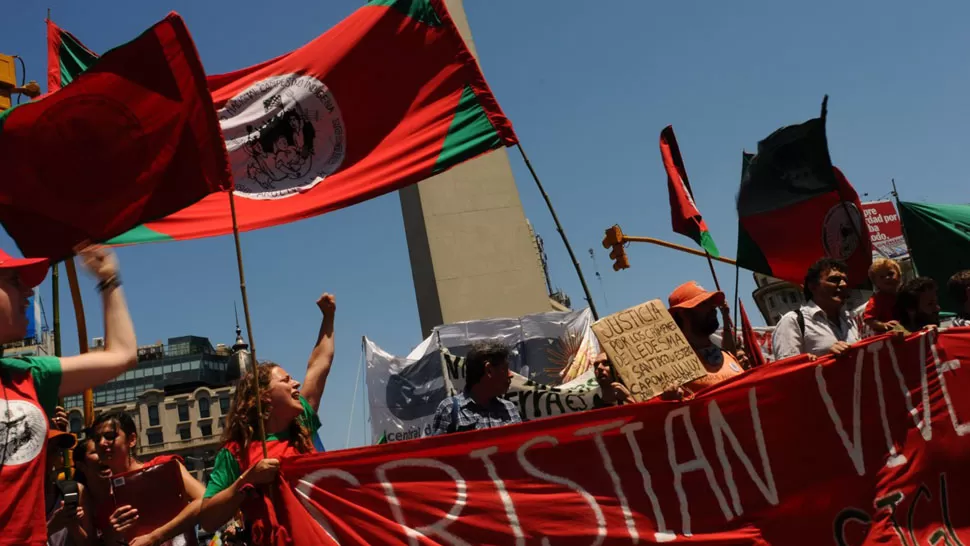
(675,246)
(902,224)
(254,368)
(562,234)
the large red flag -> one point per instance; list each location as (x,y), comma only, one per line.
(132,139)
(387,98)
(684,216)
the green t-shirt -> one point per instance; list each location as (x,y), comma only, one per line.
(46,371)
(225,469)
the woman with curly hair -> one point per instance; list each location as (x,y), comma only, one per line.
(290,421)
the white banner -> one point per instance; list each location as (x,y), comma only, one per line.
(405,391)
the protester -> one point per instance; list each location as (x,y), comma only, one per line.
(30,386)
(289,420)
(479,406)
(115,437)
(822,325)
(68,523)
(959,288)
(695,312)
(917,305)
(886,277)
(612,391)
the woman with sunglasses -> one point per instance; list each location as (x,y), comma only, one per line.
(30,386)
(289,416)
(115,436)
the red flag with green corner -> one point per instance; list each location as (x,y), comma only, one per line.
(795,207)
(684,216)
(132,139)
(66,57)
(387,98)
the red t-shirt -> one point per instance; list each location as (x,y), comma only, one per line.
(27,397)
(880,307)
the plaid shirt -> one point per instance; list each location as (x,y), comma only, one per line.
(471,416)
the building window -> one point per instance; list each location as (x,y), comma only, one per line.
(153,415)
(185,433)
(204,408)
(183,411)
(206,430)
(155,437)
(224,404)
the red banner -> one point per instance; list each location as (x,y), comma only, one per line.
(870,448)
(885,229)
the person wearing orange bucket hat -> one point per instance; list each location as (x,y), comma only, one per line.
(31,385)
(695,311)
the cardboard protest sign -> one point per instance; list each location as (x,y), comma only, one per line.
(648,350)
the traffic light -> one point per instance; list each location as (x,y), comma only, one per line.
(8,80)
(614,239)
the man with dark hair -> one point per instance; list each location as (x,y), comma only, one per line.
(959,288)
(487,378)
(917,305)
(822,325)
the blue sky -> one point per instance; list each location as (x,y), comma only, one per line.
(588,87)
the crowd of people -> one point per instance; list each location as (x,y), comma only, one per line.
(39,507)
(84,510)
(823,325)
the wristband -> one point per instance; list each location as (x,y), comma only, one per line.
(111,282)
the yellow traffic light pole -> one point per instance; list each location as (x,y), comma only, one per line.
(675,246)
(617,239)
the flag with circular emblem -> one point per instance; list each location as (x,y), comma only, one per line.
(387,98)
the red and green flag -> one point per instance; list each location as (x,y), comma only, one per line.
(387,98)
(794,208)
(131,139)
(67,57)
(684,216)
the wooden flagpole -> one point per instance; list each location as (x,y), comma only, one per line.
(82,333)
(254,365)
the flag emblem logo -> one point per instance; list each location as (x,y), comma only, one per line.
(26,429)
(841,230)
(284,135)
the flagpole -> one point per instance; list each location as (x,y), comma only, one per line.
(82,333)
(254,365)
(732,346)
(842,199)
(562,233)
(903,226)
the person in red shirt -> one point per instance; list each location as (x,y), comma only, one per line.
(290,421)
(30,386)
(115,437)
(886,277)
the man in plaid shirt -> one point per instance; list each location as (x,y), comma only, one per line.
(487,377)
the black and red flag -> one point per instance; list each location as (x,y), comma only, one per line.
(795,207)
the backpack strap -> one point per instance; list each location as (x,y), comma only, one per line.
(800,318)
